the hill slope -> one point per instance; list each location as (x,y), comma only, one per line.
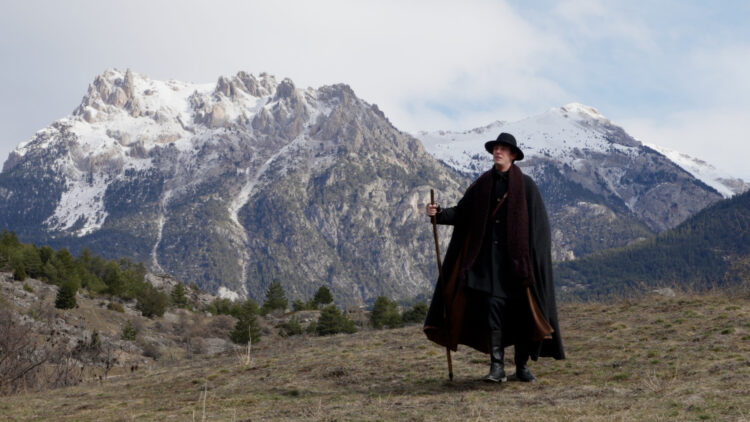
(710,248)
(656,358)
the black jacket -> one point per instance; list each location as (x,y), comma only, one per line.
(489,273)
(452,318)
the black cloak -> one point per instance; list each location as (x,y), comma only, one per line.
(454,317)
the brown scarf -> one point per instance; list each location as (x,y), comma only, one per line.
(518,228)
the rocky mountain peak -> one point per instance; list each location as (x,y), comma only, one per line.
(108,92)
(583,111)
(262,86)
(285,89)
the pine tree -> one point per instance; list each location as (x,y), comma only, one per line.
(179,299)
(275,298)
(322,296)
(32,263)
(9,239)
(113,279)
(332,321)
(45,253)
(66,296)
(247,327)
(50,272)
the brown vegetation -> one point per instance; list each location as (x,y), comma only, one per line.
(42,347)
(685,357)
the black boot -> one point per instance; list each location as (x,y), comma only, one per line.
(497,354)
(522,371)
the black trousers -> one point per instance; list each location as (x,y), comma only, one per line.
(497,310)
(506,314)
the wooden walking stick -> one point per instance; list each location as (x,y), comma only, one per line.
(440,274)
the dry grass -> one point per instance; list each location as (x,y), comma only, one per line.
(656,358)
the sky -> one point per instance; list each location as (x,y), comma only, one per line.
(670,72)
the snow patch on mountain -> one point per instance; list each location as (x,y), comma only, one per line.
(166,196)
(82,203)
(724,183)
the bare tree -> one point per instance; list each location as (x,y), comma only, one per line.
(30,361)
(23,355)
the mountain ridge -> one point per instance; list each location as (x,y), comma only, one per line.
(249,180)
(603,188)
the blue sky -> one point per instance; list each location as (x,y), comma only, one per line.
(672,73)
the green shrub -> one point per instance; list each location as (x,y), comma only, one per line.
(28,288)
(415,315)
(66,296)
(385,314)
(291,328)
(299,305)
(129,332)
(151,302)
(245,330)
(221,306)
(19,272)
(31,260)
(92,282)
(113,279)
(332,321)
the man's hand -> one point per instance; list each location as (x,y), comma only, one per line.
(431,210)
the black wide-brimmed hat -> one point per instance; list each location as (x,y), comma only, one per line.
(505,139)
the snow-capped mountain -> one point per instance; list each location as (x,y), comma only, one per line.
(605,188)
(247,180)
(232,185)
(559,134)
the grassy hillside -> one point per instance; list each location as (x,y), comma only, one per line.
(685,357)
(711,248)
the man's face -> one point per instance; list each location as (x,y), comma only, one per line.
(503,156)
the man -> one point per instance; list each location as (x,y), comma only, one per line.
(496,288)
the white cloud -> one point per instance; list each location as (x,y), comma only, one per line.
(594,20)
(404,56)
(714,126)
(720,75)
(427,64)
